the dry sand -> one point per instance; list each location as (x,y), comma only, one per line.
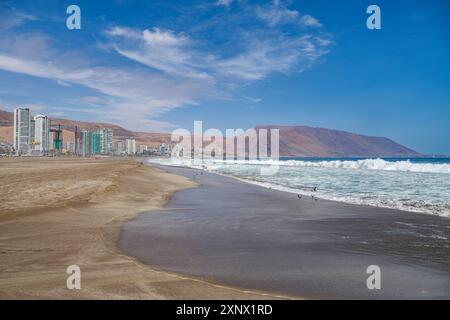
(60,212)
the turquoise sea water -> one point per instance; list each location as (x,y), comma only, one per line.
(416,184)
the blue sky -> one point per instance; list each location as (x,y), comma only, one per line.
(160,65)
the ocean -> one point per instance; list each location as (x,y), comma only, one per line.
(414,184)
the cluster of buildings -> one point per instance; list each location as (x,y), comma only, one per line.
(36,135)
(91,142)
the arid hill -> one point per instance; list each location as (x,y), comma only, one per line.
(302,141)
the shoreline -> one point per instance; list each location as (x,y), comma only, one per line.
(37,245)
(287,189)
(404,243)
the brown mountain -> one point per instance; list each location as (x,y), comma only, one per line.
(6,118)
(302,141)
(298,141)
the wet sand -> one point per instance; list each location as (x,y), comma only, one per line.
(56,212)
(246,236)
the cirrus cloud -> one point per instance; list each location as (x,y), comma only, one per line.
(163,68)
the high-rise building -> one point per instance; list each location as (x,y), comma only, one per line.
(142,149)
(78,141)
(32,130)
(22,132)
(86,138)
(69,147)
(91,142)
(119,148)
(56,140)
(106,141)
(95,144)
(131,146)
(41,133)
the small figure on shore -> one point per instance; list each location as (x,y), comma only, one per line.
(299,196)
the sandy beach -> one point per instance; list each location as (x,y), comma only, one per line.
(56,212)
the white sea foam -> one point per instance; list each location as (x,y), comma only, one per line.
(405,185)
(363,164)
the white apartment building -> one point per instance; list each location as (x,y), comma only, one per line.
(106,141)
(22,130)
(142,148)
(131,146)
(41,133)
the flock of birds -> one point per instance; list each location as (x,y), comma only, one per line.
(314,189)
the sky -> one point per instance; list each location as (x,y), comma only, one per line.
(160,65)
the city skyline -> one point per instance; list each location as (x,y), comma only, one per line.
(297,63)
(38,136)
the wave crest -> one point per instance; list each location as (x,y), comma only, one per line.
(364,164)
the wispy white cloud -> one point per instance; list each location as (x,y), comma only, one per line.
(261,53)
(160,49)
(135,95)
(253,100)
(11,18)
(309,21)
(225,3)
(276,14)
(166,69)
(37,108)
(267,56)
(63,83)
(96,100)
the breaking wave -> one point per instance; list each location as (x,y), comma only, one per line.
(418,185)
(364,164)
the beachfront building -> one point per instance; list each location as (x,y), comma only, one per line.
(119,148)
(86,141)
(32,130)
(142,149)
(69,147)
(131,146)
(94,142)
(90,143)
(95,145)
(22,130)
(41,133)
(106,141)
